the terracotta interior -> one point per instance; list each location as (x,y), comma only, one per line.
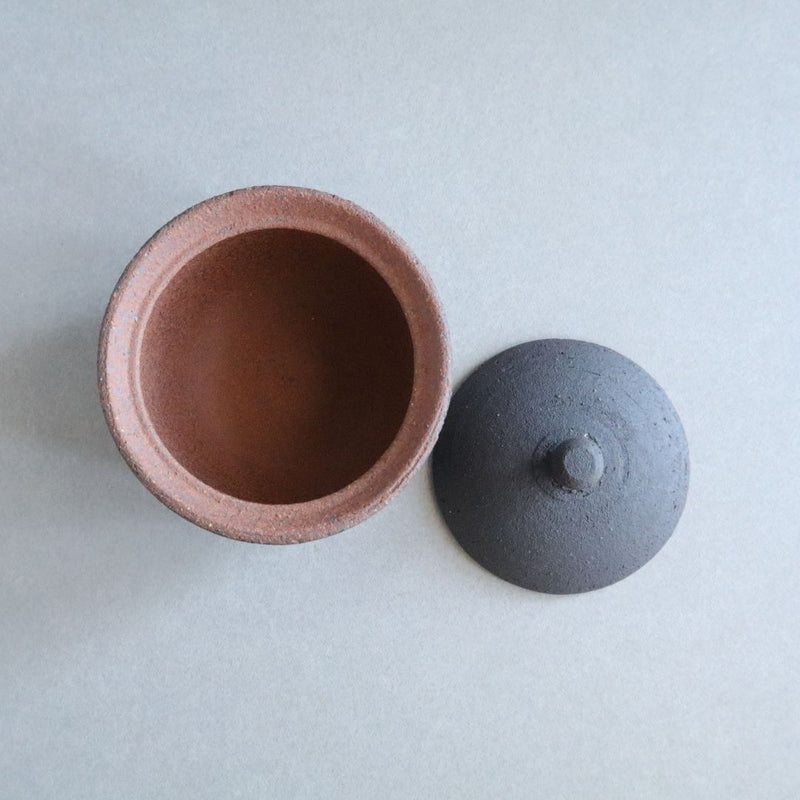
(277,366)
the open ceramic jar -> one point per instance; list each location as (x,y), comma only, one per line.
(273,364)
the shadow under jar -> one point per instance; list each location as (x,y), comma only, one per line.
(273,364)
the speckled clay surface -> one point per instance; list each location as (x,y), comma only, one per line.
(273,364)
(562,466)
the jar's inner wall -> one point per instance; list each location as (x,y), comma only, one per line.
(277,366)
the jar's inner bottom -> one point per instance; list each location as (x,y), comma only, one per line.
(277,366)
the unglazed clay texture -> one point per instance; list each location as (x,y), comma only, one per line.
(562,466)
(274,365)
(277,366)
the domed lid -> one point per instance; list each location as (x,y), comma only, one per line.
(562,466)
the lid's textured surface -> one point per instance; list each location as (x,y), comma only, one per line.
(562,466)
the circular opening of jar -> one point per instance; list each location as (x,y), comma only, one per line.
(277,366)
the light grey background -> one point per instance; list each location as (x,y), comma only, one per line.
(627,173)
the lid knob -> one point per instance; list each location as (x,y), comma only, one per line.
(577,464)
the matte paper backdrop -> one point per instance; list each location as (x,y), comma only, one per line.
(625,173)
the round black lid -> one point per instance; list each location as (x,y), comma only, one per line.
(562,466)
